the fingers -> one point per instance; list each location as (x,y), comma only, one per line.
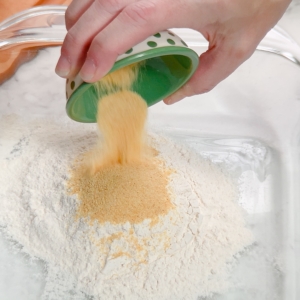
(214,66)
(80,35)
(134,24)
(75,10)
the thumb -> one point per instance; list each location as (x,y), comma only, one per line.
(217,63)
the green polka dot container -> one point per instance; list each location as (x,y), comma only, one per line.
(168,64)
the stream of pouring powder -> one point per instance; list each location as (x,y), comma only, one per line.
(118,181)
(121,118)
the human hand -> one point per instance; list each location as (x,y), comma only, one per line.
(100,30)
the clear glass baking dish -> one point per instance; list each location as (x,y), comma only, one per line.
(249,124)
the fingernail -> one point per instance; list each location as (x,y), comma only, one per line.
(88,70)
(172,99)
(178,95)
(63,67)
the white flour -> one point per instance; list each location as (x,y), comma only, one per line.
(205,231)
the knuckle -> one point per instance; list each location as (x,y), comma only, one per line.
(69,17)
(242,51)
(239,53)
(201,88)
(72,40)
(110,6)
(101,54)
(99,48)
(69,23)
(140,13)
(96,47)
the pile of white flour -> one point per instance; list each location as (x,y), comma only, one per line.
(187,254)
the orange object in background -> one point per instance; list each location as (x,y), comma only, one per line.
(12,58)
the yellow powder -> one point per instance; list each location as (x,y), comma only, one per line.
(122,193)
(118,181)
(121,79)
(121,119)
(120,253)
(133,246)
